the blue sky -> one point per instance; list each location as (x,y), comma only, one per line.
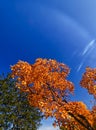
(58,29)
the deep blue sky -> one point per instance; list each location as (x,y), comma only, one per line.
(58,29)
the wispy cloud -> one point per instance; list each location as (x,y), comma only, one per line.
(48,128)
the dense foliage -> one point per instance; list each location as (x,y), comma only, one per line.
(47,87)
(15,111)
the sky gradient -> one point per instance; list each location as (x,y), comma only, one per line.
(56,29)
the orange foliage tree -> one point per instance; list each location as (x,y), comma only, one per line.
(47,87)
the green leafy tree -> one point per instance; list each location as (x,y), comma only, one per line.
(15,111)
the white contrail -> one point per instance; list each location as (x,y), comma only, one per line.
(87,48)
(80,66)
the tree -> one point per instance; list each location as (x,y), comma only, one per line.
(15,111)
(47,87)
